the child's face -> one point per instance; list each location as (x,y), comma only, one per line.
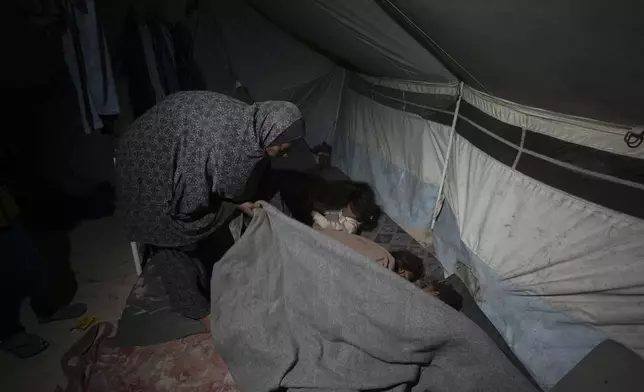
(348,212)
(404,273)
(431,290)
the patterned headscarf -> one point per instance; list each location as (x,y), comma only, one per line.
(247,145)
(183,163)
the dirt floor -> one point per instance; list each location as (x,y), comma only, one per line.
(101,258)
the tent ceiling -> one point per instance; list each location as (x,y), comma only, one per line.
(257,48)
(577,57)
(358,32)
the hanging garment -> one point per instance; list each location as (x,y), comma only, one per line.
(188,74)
(142,94)
(88,62)
(165,58)
(151,62)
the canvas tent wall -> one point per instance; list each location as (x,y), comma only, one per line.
(543,215)
(544,262)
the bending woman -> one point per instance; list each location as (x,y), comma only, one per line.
(185,166)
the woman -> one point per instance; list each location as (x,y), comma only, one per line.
(185,167)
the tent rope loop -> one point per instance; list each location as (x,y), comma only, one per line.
(634,139)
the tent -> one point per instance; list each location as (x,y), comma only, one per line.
(512,128)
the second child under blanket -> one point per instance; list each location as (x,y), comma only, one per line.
(404,263)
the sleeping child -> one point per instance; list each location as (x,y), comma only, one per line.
(446,293)
(360,208)
(410,267)
(406,264)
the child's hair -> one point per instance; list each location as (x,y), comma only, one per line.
(405,260)
(362,200)
(448,294)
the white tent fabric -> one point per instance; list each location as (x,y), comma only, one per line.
(586,132)
(584,258)
(399,154)
(555,273)
(548,342)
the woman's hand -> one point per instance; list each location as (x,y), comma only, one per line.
(248,207)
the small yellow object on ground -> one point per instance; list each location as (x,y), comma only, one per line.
(84,323)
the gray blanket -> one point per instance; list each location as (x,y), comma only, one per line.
(293,308)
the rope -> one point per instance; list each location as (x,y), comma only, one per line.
(448,154)
(634,139)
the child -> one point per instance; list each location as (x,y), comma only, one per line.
(360,208)
(408,265)
(446,293)
(411,267)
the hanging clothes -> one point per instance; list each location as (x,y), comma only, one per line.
(30,38)
(142,93)
(165,57)
(158,61)
(88,62)
(188,73)
(151,62)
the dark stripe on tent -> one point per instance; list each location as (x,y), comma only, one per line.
(435,101)
(611,194)
(616,196)
(438,101)
(431,115)
(427,114)
(495,148)
(627,168)
(508,132)
(399,100)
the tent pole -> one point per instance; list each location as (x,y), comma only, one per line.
(448,154)
(337,111)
